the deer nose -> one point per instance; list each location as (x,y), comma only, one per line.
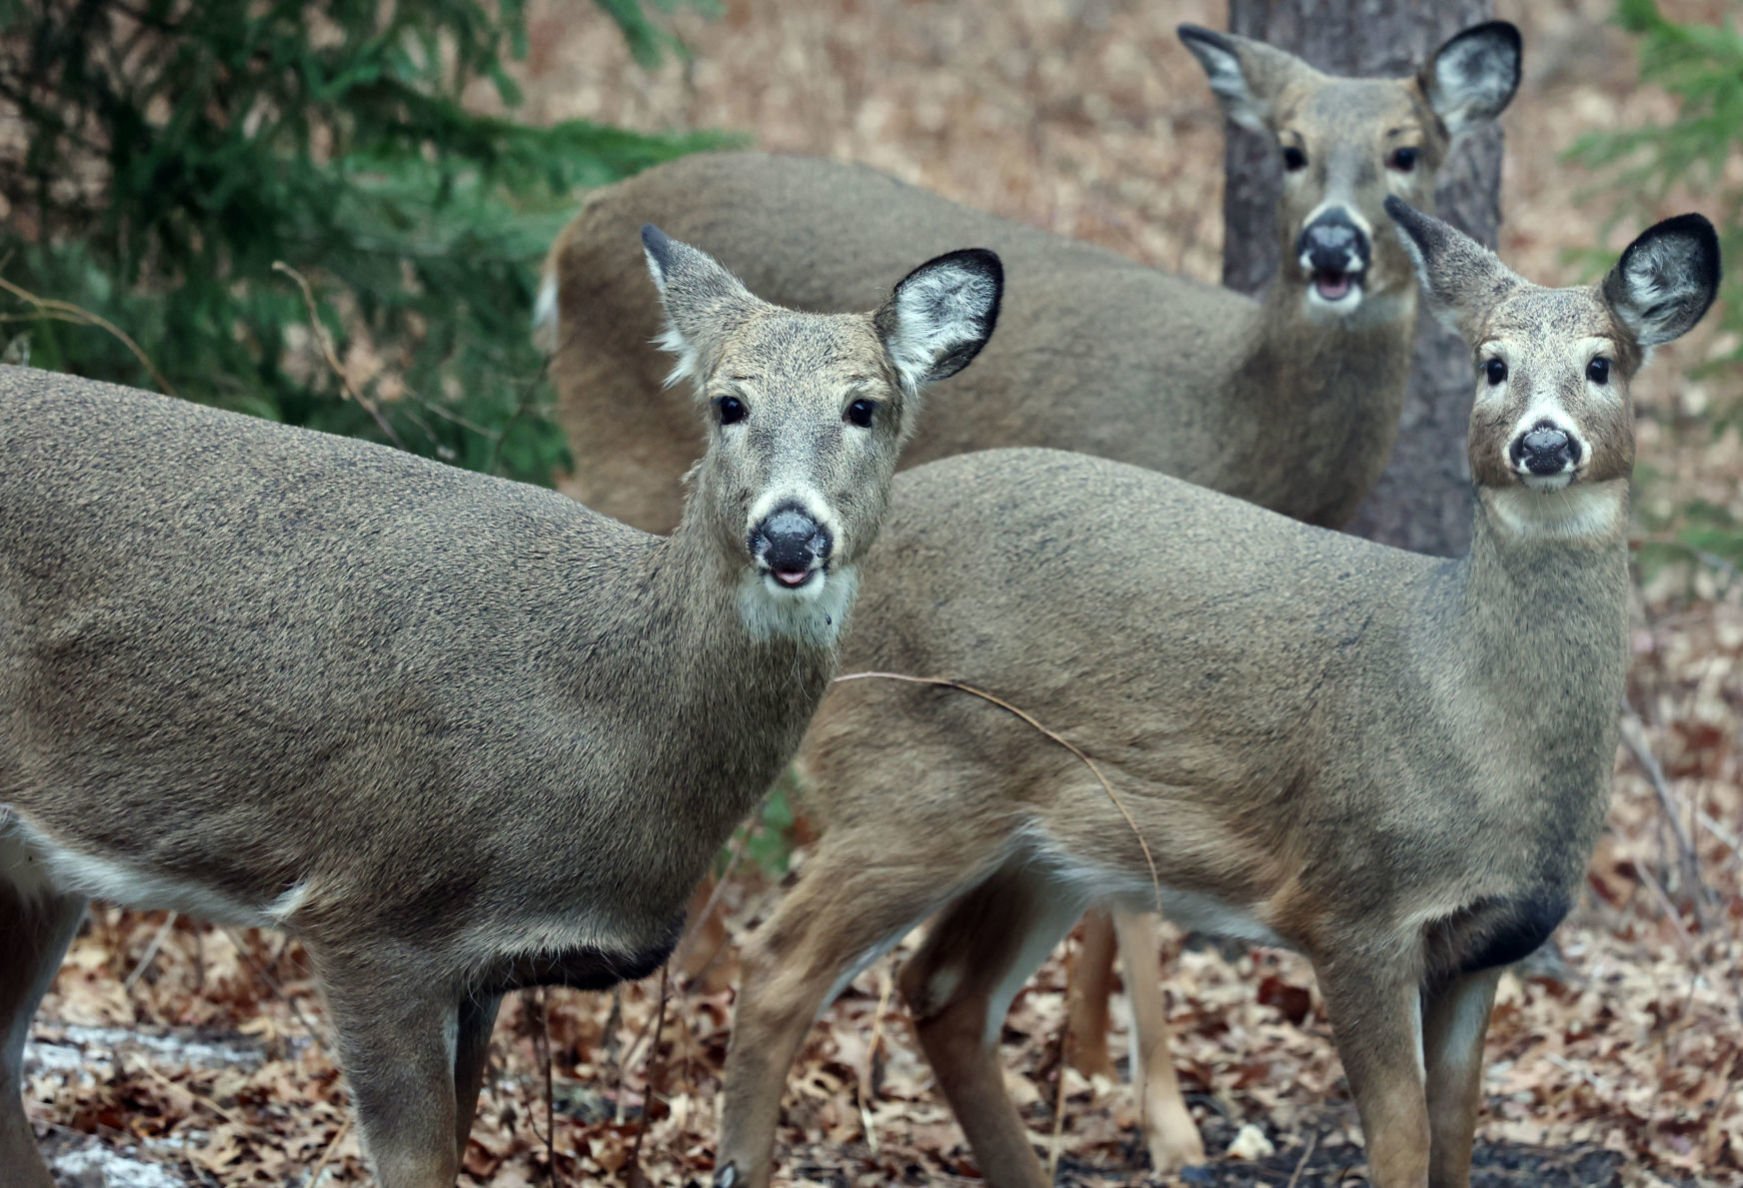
(790,544)
(1545,449)
(1333,243)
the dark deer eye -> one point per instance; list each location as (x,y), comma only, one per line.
(1496,370)
(1293,158)
(1402,159)
(861,412)
(730,410)
(1598,370)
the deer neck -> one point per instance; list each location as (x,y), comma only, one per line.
(735,685)
(1318,396)
(1532,647)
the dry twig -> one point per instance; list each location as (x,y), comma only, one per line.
(332,358)
(66,311)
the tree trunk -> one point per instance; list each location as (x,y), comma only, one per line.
(1422,502)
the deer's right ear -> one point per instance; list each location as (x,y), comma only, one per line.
(1462,279)
(1245,75)
(941,314)
(701,299)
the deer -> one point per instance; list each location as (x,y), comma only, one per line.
(1393,763)
(1290,400)
(459,735)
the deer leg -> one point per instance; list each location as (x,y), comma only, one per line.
(1169,1130)
(34,935)
(477,1016)
(1089,983)
(701,950)
(848,908)
(1376,1017)
(398,1039)
(959,986)
(1455,1020)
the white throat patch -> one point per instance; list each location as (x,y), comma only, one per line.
(1577,512)
(813,614)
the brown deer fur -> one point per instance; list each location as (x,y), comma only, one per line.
(1396,764)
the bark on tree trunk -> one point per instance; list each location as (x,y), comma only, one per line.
(1422,502)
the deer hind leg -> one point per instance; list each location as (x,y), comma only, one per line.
(1089,985)
(477,1016)
(35,930)
(1455,1020)
(1169,1131)
(959,987)
(854,900)
(398,1045)
(1376,1017)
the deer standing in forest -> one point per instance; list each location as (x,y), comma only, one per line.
(1290,400)
(460,735)
(1393,763)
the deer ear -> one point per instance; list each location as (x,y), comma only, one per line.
(941,314)
(1246,75)
(1471,79)
(1666,279)
(702,300)
(1462,279)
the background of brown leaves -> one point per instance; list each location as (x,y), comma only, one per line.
(171,1053)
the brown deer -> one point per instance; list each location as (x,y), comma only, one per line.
(460,735)
(1290,400)
(1396,764)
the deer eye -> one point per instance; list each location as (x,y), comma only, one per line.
(1598,370)
(861,412)
(1496,370)
(1403,159)
(730,410)
(1293,158)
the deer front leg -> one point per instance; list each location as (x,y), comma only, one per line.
(397,1045)
(1455,1020)
(1376,1017)
(1169,1130)
(849,906)
(34,935)
(959,986)
(477,1016)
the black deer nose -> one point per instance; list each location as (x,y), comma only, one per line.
(790,542)
(1545,449)
(1333,243)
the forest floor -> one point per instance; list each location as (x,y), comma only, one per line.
(172,1054)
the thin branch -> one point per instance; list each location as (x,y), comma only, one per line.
(1688,859)
(327,1155)
(150,954)
(327,352)
(654,1087)
(66,311)
(1301,1164)
(948,683)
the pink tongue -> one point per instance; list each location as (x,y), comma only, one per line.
(792,577)
(1332,285)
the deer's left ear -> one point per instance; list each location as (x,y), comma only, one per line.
(1471,79)
(941,314)
(1666,279)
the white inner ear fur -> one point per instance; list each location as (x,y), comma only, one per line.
(1470,82)
(937,311)
(1229,83)
(1657,276)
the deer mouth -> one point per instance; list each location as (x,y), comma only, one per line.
(792,579)
(1333,285)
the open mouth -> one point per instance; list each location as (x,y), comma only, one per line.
(791,579)
(1334,285)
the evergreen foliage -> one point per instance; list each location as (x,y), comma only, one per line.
(1702,66)
(159,157)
